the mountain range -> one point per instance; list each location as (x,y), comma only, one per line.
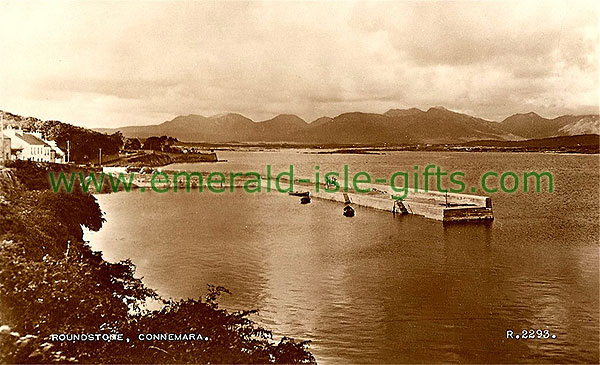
(396,126)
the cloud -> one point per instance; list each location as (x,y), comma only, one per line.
(116,63)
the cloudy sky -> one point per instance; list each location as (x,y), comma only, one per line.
(108,63)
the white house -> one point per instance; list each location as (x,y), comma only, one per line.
(31,146)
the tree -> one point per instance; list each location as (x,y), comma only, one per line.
(132,144)
(162,143)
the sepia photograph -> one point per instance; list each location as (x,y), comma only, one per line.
(321,182)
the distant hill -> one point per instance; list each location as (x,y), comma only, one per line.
(320,121)
(403,112)
(531,125)
(218,128)
(283,127)
(440,125)
(396,126)
(348,128)
(228,127)
(590,141)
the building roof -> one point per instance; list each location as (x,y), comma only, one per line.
(32,140)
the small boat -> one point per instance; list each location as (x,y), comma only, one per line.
(348,211)
(299,193)
(305,200)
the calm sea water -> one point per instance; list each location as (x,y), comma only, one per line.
(379,288)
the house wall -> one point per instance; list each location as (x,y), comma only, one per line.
(38,153)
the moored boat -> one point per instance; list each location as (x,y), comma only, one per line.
(348,211)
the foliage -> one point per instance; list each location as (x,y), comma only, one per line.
(162,143)
(51,282)
(132,144)
(35,175)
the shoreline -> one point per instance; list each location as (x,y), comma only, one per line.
(56,265)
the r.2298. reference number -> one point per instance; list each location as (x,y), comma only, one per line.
(531,334)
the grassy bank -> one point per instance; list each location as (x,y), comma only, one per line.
(51,282)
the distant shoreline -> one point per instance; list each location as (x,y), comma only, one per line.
(158,159)
(454,149)
(585,143)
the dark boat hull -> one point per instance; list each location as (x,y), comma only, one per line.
(348,211)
